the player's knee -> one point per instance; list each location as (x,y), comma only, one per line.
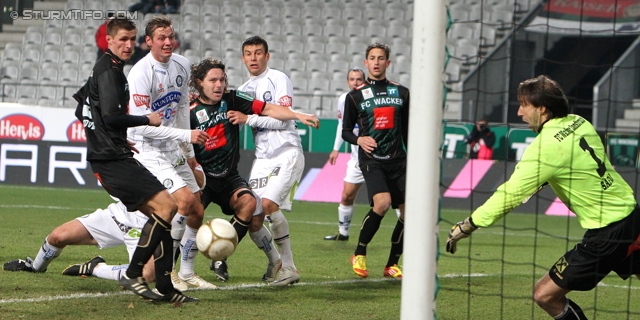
(56,238)
(269,207)
(256,223)
(347,198)
(185,203)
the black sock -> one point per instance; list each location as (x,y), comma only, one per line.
(572,312)
(241,226)
(151,236)
(369,227)
(163,262)
(397,238)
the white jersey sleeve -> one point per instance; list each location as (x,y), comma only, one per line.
(273,86)
(162,88)
(338,141)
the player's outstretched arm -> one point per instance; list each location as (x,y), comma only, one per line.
(284,113)
(460,230)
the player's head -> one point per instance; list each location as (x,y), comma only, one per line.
(255,55)
(160,37)
(120,32)
(377,60)
(209,79)
(541,99)
(355,77)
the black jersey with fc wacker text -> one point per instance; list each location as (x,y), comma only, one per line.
(381,109)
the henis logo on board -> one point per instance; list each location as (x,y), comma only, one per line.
(22,127)
(75,132)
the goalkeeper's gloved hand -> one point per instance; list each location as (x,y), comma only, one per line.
(459,231)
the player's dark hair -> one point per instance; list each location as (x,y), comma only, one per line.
(377,45)
(155,23)
(357,69)
(543,91)
(256,41)
(114,24)
(200,70)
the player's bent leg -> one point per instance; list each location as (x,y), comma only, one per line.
(550,297)
(69,233)
(156,233)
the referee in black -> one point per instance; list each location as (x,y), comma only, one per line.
(380,108)
(103,109)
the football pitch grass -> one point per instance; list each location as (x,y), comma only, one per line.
(490,277)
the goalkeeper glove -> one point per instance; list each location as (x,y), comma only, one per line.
(459,231)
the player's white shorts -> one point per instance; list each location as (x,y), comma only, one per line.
(114,226)
(353,174)
(277,179)
(170,168)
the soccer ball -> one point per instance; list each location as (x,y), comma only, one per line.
(217,239)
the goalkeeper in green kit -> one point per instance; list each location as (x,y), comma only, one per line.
(569,156)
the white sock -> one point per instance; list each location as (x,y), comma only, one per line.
(263,240)
(280,230)
(398,213)
(105,271)
(344,218)
(46,253)
(178,224)
(188,252)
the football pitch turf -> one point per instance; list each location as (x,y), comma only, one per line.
(490,277)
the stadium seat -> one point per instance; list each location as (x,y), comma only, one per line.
(230,9)
(373,13)
(355,31)
(397,31)
(48,75)
(312,29)
(74,4)
(335,46)
(317,65)
(312,11)
(333,30)
(276,46)
(26,92)
(68,76)
(209,11)
(32,55)
(32,38)
(46,92)
(276,63)
(72,57)
(301,102)
(461,31)
(210,26)
(293,64)
(314,45)
(488,36)
(270,11)
(52,38)
(83,76)
(395,13)
(190,11)
(291,11)
(250,10)
(11,54)
(271,29)
(74,24)
(352,11)
(93,5)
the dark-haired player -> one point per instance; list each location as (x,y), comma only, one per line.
(380,108)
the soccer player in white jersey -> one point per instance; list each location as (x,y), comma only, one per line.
(279,162)
(158,83)
(353,179)
(104,228)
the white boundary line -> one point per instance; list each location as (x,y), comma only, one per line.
(219,288)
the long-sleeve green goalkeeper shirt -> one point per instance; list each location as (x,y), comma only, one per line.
(570,156)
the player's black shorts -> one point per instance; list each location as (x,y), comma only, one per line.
(385,177)
(221,190)
(127,180)
(612,248)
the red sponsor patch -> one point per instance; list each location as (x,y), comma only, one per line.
(285,101)
(339,114)
(21,127)
(217,140)
(141,100)
(383,118)
(75,132)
